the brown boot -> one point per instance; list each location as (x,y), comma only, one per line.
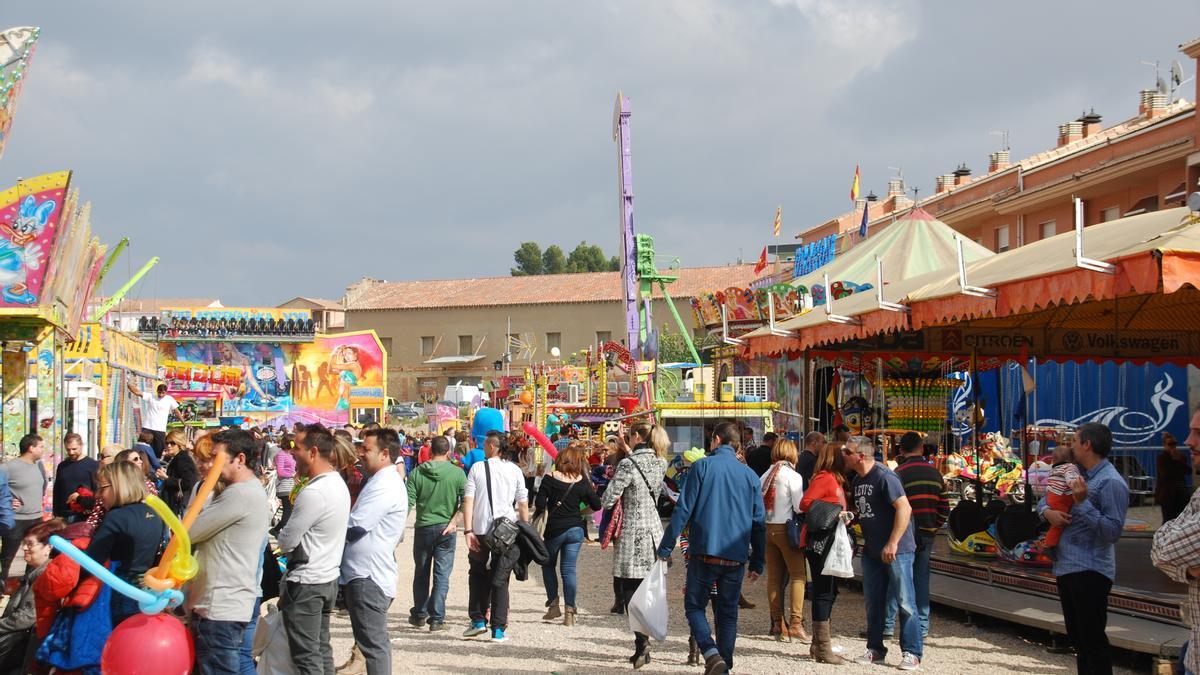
(743,603)
(355,665)
(568,616)
(822,645)
(795,629)
(693,652)
(779,631)
(552,613)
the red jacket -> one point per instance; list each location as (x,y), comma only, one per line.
(825,487)
(59,587)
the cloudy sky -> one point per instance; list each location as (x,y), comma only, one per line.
(271,149)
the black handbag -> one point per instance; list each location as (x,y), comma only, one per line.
(822,518)
(502,535)
(795,525)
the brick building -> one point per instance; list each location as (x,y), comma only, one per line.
(1145,163)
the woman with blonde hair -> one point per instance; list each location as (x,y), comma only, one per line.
(782,490)
(560,498)
(637,483)
(180,473)
(131,534)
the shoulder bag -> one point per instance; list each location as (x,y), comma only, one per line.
(502,534)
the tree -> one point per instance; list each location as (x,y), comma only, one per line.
(614,264)
(586,258)
(553,260)
(529,260)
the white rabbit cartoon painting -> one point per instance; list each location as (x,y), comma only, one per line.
(20,250)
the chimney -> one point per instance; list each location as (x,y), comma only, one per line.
(1091,123)
(895,187)
(943,183)
(1157,104)
(961,174)
(1145,98)
(1069,132)
(998,161)
(872,197)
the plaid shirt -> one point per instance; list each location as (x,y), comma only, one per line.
(1089,541)
(1176,548)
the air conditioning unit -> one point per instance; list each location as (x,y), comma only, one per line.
(572,393)
(750,385)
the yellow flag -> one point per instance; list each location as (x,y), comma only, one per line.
(778,219)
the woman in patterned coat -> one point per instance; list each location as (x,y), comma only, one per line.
(637,483)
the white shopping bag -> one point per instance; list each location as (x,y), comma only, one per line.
(837,563)
(271,644)
(648,607)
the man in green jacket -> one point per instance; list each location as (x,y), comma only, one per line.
(435,489)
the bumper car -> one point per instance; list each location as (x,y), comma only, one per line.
(1018,535)
(969,525)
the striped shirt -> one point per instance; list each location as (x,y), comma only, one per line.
(926,492)
(1089,542)
(1176,548)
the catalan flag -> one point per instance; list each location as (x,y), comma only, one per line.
(854,185)
(778,219)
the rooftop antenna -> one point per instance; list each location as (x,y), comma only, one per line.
(1003,134)
(1160,85)
(1176,78)
(899,171)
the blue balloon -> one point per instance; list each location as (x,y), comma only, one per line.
(149,603)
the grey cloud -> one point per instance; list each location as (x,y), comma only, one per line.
(270,149)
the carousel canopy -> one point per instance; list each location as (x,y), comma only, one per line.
(1042,299)
(914,245)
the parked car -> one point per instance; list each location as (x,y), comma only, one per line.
(406,410)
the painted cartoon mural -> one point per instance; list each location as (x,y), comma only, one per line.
(312,381)
(30,213)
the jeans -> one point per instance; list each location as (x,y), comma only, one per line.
(785,565)
(1084,598)
(218,645)
(824,588)
(368,608)
(568,543)
(12,544)
(306,610)
(920,587)
(878,580)
(433,549)
(488,585)
(700,578)
(247,650)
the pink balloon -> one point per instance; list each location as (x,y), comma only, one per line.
(540,437)
(149,644)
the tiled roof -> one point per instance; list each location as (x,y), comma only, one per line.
(531,290)
(849,221)
(321,303)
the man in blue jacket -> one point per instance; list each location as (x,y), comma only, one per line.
(721,505)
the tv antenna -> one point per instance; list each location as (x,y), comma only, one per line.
(1003,134)
(1160,85)
(1176,78)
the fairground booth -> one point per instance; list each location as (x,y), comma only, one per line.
(49,266)
(999,359)
(265,366)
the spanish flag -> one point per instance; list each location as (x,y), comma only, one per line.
(854,185)
(778,219)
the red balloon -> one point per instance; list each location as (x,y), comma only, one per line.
(148,644)
(541,439)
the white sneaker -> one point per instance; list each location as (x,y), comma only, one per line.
(869,657)
(909,662)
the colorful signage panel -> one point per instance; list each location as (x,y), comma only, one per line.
(30,214)
(312,381)
(814,256)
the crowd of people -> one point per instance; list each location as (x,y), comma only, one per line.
(314,516)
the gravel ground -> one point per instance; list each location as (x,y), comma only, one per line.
(600,642)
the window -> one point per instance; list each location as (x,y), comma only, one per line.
(1001,239)
(427,344)
(553,341)
(603,336)
(1111,213)
(387,345)
(1048,229)
(466,346)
